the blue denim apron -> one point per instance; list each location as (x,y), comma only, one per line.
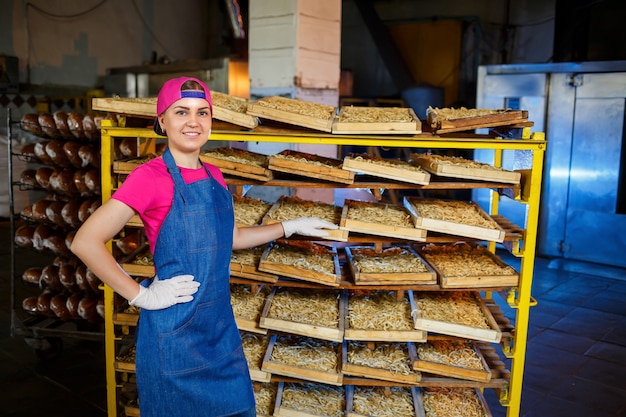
(189,359)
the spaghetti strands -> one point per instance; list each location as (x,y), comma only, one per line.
(452,402)
(393,357)
(315,399)
(450,352)
(310,307)
(375,401)
(306,352)
(459,307)
(246,303)
(379,310)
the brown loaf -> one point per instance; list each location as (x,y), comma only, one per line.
(28,177)
(83,211)
(79,181)
(128,147)
(94,206)
(128,244)
(27,213)
(89,128)
(87,308)
(100,307)
(48,126)
(62,181)
(28,150)
(42,175)
(30,304)
(41,154)
(69,238)
(72,304)
(81,278)
(50,276)
(30,123)
(43,303)
(71,148)
(24,236)
(54,149)
(67,276)
(75,123)
(60,120)
(93,280)
(58,305)
(70,212)
(92,179)
(54,213)
(39,209)
(89,155)
(56,244)
(32,275)
(41,233)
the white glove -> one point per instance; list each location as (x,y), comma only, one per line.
(307,226)
(165,293)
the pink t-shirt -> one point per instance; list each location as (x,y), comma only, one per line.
(149,190)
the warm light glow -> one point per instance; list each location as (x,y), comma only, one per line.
(238,79)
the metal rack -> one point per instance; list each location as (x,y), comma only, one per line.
(523,247)
(44,334)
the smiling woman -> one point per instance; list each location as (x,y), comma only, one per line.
(188,344)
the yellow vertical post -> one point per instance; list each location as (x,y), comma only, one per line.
(523,302)
(106,152)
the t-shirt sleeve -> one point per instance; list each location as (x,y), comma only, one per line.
(139,189)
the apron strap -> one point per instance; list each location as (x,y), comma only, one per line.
(179,184)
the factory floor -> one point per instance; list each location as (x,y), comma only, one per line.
(576,354)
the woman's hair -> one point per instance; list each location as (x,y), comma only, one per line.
(191,85)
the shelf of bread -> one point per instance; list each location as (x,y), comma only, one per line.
(310,166)
(292,207)
(398,401)
(453,217)
(381,316)
(370,265)
(393,169)
(239,162)
(456,313)
(386,361)
(319,314)
(304,358)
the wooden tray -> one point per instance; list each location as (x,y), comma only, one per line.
(131,106)
(377,120)
(303,249)
(265,396)
(386,398)
(471,265)
(287,208)
(146,107)
(386,168)
(309,165)
(232,109)
(298,322)
(244,270)
(456,167)
(453,227)
(453,370)
(294,112)
(355,356)
(405,230)
(248,302)
(501,117)
(127,165)
(308,404)
(385,332)
(394,275)
(457,328)
(309,352)
(249,211)
(239,162)
(462,392)
(254,348)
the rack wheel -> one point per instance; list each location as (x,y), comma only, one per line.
(45,347)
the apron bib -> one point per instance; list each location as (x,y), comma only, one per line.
(189,359)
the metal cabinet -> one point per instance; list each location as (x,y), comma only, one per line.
(581,108)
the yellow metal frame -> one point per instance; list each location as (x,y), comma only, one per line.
(519,298)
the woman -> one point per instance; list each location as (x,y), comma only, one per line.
(189,359)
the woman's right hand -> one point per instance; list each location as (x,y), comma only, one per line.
(165,293)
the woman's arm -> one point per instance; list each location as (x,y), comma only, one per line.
(248,237)
(89,245)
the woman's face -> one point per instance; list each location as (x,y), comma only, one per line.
(187,124)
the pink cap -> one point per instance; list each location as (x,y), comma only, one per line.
(171,93)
